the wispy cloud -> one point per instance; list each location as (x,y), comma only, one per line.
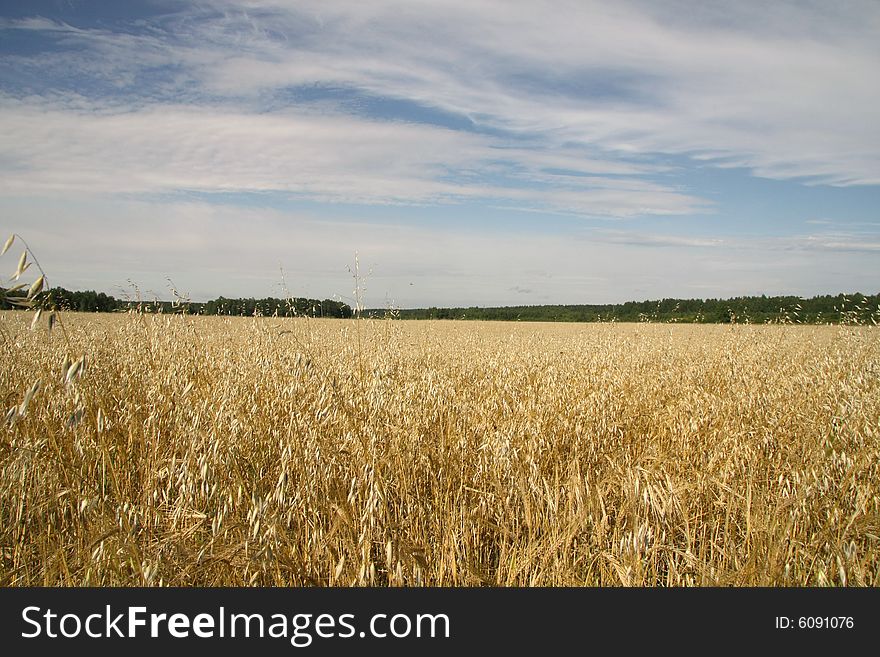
(636,238)
(331,157)
(867,242)
(839,242)
(787,91)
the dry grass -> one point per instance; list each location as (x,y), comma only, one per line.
(247,451)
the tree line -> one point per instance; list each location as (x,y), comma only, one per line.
(854,308)
(92,301)
(842,308)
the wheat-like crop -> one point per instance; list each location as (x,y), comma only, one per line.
(262,451)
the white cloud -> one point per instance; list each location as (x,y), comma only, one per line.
(861,242)
(789,91)
(326,157)
(636,238)
(839,242)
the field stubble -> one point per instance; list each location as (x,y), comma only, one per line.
(265,451)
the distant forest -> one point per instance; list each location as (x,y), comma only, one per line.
(91,301)
(839,309)
(842,308)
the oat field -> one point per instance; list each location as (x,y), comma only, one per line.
(262,451)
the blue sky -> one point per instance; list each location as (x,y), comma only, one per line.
(471,153)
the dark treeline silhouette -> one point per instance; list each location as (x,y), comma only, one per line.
(853,308)
(842,308)
(276,307)
(91,301)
